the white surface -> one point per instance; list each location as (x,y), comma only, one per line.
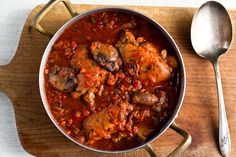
(13,14)
(9,141)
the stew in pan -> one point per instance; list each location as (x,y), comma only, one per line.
(111,82)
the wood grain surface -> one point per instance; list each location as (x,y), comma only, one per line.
(198,115)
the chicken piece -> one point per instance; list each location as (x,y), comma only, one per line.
(62,78)
(91,76)
(145,98)
(103,124)
(106,55)
(152,67)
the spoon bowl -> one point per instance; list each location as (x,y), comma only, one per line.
(211,30)
(211,36)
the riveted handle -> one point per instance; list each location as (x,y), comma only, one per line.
(180,149)
(51,4)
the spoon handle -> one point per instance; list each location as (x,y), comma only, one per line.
(224,135)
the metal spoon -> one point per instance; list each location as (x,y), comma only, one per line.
(211,35)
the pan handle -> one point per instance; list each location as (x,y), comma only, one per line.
(51,4)
(180,149)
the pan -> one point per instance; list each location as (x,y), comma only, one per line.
(75,17)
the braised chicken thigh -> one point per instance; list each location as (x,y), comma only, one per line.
(144,55)
(90,76)
(107,122)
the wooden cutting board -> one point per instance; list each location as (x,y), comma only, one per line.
(199,114)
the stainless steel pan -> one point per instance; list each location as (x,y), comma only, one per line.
(170,124)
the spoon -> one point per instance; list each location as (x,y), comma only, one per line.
(211,35)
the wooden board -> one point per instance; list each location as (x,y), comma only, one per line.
(199,114)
